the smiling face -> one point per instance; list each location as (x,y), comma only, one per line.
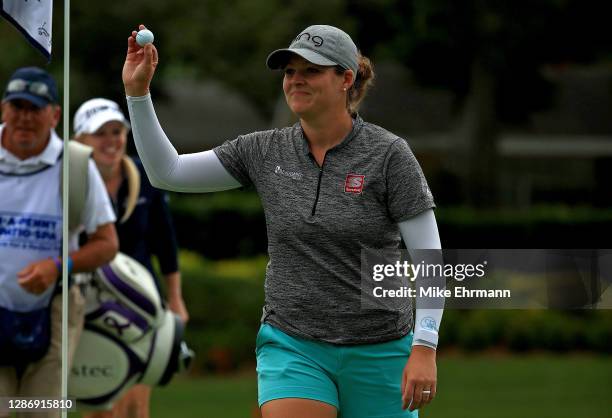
(27,128)
(108,142)
(311,90)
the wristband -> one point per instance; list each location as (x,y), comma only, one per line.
(58,264)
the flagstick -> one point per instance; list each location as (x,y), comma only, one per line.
(65,186)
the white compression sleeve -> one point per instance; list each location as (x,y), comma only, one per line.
(166,169)
(421,232)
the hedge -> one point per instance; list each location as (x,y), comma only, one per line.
(225,298)
(231,224)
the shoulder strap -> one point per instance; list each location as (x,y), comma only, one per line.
(133,179)
(78,181)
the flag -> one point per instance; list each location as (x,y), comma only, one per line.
(33,19)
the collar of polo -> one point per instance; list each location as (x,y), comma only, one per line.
(357,124)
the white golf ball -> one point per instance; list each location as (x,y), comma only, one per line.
(144,37)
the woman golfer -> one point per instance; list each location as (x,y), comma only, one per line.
(331,185)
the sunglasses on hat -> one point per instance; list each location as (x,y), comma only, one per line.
(35,87)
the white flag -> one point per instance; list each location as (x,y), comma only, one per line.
(33,19)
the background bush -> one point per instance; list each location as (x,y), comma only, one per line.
(230,224)
(225,298)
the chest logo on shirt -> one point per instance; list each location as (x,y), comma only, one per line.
(354,183)
(291,174)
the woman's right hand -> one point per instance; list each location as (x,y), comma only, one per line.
(139,66)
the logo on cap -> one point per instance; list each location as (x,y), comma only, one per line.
(316,39)
(354,183)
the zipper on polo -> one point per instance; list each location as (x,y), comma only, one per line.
(314,207)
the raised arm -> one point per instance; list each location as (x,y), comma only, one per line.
(166,169)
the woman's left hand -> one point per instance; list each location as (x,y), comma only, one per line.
(175,295)
(177,305)
(419,377)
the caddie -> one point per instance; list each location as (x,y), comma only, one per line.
(31,239)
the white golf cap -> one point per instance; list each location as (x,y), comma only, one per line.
(96,112)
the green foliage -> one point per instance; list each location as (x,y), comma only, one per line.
(231,224)
(552,226)
(226,40)
(229,40)
(598,333)
(220,225)
(246,203)
(479,329)
(441,40)
(21,51)
(523,330)
(225,298)
(536,214)
(522,333)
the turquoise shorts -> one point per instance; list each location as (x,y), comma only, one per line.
(361,381)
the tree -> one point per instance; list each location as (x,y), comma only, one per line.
(490,54)
(222,39)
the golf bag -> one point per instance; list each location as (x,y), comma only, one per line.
(128,338)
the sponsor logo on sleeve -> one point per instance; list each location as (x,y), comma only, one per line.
(429,323)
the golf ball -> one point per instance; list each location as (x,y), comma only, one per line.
(144,37)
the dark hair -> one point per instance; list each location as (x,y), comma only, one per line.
(364,79)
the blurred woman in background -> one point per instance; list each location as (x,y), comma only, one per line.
(144,225)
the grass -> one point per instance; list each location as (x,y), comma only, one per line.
(213,396)
(538,386)
(478,386)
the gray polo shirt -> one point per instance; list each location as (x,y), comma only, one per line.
(319,218)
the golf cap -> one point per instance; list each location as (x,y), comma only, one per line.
(321,45)
(96,112)
(32,84)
